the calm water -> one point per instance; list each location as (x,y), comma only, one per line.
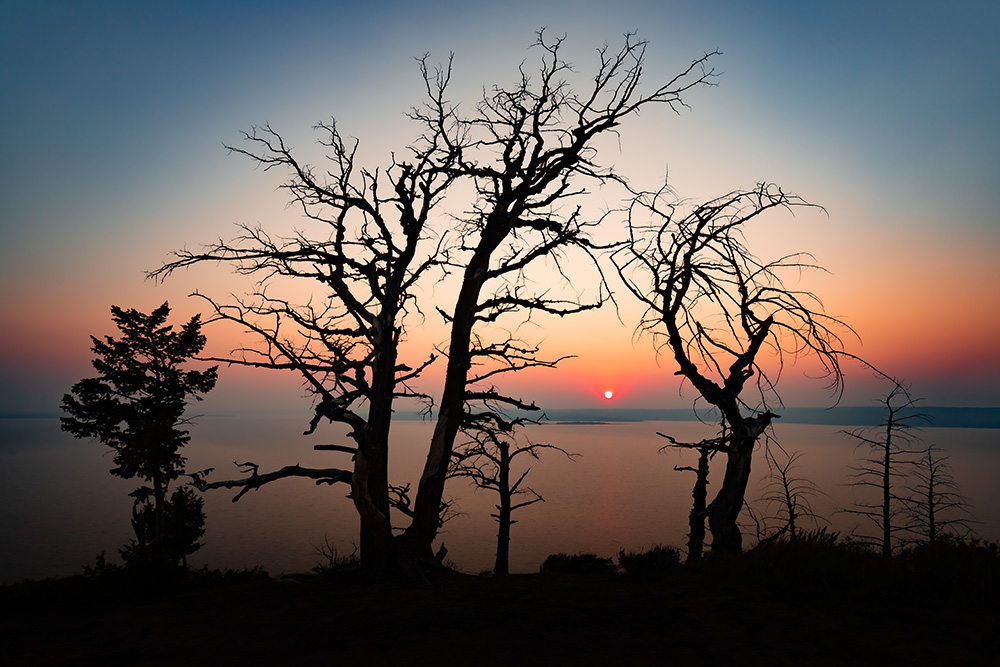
(60,507)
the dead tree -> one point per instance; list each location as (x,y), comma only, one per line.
(531,156)
(786,498)
(892,447)
(706,449)
(528,153)
(727,318)
(486,458)
(936,510)
(372,242)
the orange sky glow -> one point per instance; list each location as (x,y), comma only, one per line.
(909,236)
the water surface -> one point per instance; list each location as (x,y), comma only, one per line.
(61,507)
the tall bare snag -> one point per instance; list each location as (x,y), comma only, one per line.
(727,318)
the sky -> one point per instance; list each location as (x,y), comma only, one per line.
(113,118)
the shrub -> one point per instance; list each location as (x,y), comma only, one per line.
(817,559)
(656,560)
(331,561)
(577,564)
(102,568)
(962,570)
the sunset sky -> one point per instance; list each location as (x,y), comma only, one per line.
(113,117)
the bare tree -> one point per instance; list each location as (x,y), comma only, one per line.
(786,498)
(528,151)
(533,150)
(374,244)
(706,449)
(936,509)
(892,447)
(486,458)
(726,317)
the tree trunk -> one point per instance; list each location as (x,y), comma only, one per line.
(419,536)
(932,533)
(159,516)
(696,519)
(887,492)
(791,505)
(725,509)
(370,482)
(502,565)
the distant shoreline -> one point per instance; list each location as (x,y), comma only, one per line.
(936,416)
(939,417)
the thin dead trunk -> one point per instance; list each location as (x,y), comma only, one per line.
(887,491)
(790,505)
(696,519)
(502,565)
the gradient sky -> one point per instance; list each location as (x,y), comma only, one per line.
(113,116)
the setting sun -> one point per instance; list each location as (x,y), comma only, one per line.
(609,394)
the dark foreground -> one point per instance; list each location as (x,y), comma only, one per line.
(781,611)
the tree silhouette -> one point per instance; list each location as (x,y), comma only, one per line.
(486,459)
(724,315)
(786,499)
(183,526)
(706,449)
(936,509)
(526,152)
(135,406)
(532,154)
(892,447)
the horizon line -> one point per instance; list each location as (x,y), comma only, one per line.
(866,415)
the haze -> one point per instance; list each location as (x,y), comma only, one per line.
(113,118)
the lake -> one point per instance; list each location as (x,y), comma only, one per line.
(61,507)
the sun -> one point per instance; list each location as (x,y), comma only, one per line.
(609,394)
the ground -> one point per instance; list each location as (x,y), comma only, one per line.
(687,617)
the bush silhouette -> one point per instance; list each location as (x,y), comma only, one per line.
(577,564)
(656,560)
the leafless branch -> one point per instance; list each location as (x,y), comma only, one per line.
(256,480)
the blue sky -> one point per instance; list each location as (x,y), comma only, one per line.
(114,114)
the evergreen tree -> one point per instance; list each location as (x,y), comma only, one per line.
(136,406)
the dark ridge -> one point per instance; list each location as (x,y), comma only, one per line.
(941,417)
